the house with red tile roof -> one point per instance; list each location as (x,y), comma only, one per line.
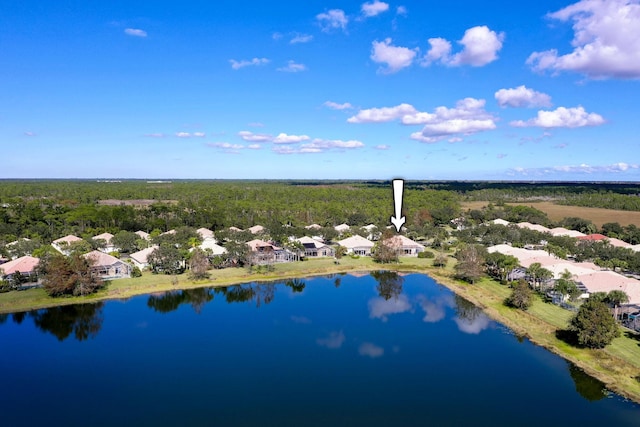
(25,265)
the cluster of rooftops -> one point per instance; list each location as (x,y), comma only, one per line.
(589,277)
(111,267)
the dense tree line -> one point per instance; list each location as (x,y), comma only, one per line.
(47,210)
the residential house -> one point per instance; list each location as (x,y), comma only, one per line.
(265,252)
(11,246)
(108,267)
(62,244)
(372,229)
(108,247)
(313,227)
(357,245)
(210,244)
(256,229)
(315,248)
(25,265)
(404,246)
(206,234)
(139,259)
(561,231)
(342,228)
(143,235)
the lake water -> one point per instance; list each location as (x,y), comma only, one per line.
(367,351)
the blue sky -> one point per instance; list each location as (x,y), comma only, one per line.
(544,90)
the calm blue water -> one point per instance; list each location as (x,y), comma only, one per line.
(341,351)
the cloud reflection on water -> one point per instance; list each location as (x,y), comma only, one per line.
(436,310)
(379,308)
(333,341)
(473,326)
(371,350)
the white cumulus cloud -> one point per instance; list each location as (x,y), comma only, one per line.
(318,145)
(236,65)
(334,19)
(226,146)
(374,8)
(135,32)
(301,38)
(581,169)
(394,58)
(293,67)
(480,46)
(384,114)
(283,138)
(466,118)
(337,106)
(254,137)
(562,117)
(522,96)
(606,40)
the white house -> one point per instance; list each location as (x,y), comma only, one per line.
(404,245)
(341,228)
(205,234)
(256,229)
(265,252)
(315,248)
(25,265)
(143,235)
(108,247)
(213,246)
(357,245)
(139,259)
(62,244)
(107,266)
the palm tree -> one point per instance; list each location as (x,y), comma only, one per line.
(616,298)
(565,285)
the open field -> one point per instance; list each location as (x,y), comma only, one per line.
(555,212)
(618,365)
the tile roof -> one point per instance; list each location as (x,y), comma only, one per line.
(67,239)
(356,242)
(141,256)
(100,259)
(23,264)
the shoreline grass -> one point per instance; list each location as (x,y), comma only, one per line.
(617,366)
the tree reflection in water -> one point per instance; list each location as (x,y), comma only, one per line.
(296,285)
(84,321)
(170,301)
(261,293)
(588,387)
(465,310)
(389,284)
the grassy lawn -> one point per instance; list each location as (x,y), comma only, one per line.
(618,365)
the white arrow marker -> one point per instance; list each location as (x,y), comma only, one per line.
(398,189)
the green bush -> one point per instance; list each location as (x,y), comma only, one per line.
(426,254)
